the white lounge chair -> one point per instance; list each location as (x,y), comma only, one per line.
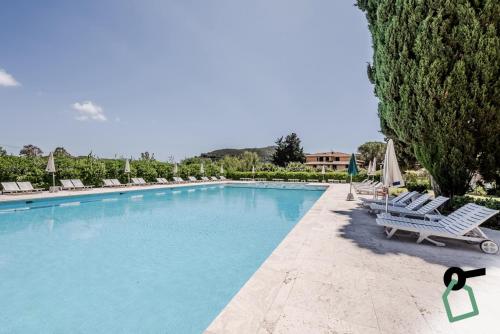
(117,183)
(415,205)
(222,177)
(67,185)
(161,180)
(79,184)
(10,188)
(213,178)
(26,187)
(462,224)
(369,189)
(204,178)
(108,183)
(400,200)
(358,183)
(178,179)
(192,179)
(428,209)
(138,181)
(365,183)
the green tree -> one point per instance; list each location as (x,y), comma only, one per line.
(61,152)
(249,159)
(288,150)
(436,70)
(370,150)
(31,151)
(147,156)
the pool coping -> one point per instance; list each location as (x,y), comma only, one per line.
(10,198)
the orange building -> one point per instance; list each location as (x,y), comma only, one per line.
(331,160)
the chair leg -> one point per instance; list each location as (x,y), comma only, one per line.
(390,232)
(423,237)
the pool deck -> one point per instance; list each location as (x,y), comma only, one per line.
(336,272)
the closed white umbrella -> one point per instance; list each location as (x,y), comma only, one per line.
(176,169)
(222,169)
(323,172)
(51,168)
(374,165)
(391,174)
(369,168)
(127,169)
(202,169)
(253,171)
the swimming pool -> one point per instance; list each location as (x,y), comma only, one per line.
(153,261)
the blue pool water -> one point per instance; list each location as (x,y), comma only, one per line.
(159,261)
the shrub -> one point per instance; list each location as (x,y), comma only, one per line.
(296,175)
(418,185)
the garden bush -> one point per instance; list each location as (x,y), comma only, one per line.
(296,175)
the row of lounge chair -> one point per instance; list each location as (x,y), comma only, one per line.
(262,179)
(367,187)
(418,213)
(139,181)
(19,188)
(77,184)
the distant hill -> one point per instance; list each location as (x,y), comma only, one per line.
(265,153)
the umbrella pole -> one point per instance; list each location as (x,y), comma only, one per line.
(350,196)
(53,179)
(386,199)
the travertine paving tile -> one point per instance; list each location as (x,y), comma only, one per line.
(340,274)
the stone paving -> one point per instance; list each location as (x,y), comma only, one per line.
(336,272)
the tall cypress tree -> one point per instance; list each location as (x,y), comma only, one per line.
(436,70)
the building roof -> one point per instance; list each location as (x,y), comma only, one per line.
(328,162)
(322,154)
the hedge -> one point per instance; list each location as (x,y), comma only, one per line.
(295,175)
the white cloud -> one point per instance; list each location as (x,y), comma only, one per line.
(7,80)
(89,111)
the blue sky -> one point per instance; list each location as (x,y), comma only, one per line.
(178,78)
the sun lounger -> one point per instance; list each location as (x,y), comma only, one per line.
(213,178)
(192,179)
(402,199)
(26,187)
(222,177)
(161,180)
(108,183)
(369,189)
(139,181)
(67,185)
(293,180)
(204,178)
(117,183)
(429,209)
(363,184)
(413,206)
(178,179)
(462,224)
(79,184)
(10,188)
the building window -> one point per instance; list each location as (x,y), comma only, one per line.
(337,159)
